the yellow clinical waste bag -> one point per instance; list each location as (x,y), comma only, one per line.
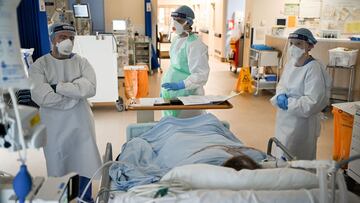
(244,81)
(136,81)
(343,126)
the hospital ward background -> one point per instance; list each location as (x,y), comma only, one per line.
(135,48)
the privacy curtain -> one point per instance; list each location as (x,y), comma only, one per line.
(33,30)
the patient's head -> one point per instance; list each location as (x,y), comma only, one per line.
(241,162)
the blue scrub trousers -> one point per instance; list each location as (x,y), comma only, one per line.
(83,181)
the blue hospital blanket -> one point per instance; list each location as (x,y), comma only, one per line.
(174,142)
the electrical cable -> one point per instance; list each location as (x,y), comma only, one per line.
(103,191)
(91,179)
(173,188)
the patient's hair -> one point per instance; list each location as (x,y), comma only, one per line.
(241,162)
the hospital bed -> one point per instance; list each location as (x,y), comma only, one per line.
(106,195)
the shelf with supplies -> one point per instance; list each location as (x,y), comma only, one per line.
(122,44)
(142,53)
(342,60)
(261,62)
(162,39)
(342,91)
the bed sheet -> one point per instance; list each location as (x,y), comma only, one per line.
(174,142)
(228,196)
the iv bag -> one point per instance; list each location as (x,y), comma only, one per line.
(12,72)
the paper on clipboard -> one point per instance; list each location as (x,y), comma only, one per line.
(221,98)
(194,100)
(208,99)
(149,101)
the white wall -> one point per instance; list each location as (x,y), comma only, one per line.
(134,9)
(220,28)
(264,14)
(123,9)
(175,2)
(214,21)
(234,5)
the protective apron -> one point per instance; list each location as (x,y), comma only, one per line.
(71,145)
(308,89)
(179,71)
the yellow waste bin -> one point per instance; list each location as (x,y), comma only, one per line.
(136,81)
(343,125)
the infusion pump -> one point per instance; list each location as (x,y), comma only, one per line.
(52,190)
(33,130)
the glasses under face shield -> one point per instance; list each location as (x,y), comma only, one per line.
(298,36)
(177,21)
(178,15)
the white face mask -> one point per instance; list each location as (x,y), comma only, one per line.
(65,47)
(179,28)
(295,52)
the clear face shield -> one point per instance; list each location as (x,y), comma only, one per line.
(177,24)
(176,27)
(170,29)
(285,57)
(295,46)
(171,26)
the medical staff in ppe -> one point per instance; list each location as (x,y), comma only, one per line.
(302,93)
(62,83)
(189,68)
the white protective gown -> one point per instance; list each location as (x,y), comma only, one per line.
(189,56)
(71,145)
(308,88)
(198,62)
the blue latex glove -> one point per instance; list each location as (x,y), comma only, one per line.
(282,101)
(53,87)
(174,85)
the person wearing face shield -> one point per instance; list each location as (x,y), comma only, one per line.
(302,93)
(189,67)
(62,83)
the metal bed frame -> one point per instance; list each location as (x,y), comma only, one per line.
(104,191)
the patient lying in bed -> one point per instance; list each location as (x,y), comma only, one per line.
(176,142)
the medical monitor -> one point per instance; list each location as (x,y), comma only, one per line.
(81,11)
(281,21)
(119,25)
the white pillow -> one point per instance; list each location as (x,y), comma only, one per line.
(204,176)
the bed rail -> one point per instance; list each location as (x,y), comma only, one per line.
(103,195)
(287,153)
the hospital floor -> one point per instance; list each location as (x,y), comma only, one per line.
(252,120)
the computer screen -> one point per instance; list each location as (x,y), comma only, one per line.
(281,21)
(119,25)
(81,11)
